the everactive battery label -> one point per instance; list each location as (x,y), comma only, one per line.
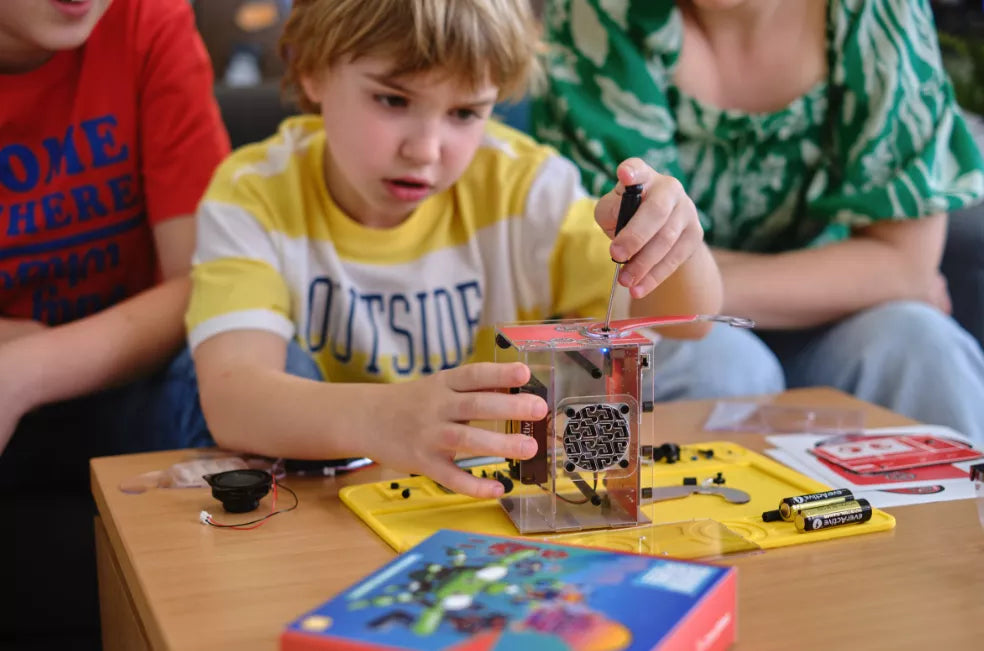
(833,515)
(790,506)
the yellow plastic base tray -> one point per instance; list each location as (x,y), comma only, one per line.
(696,526)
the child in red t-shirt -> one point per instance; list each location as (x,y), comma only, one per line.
(108,135)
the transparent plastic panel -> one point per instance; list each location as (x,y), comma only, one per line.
(703,539)
(587,469)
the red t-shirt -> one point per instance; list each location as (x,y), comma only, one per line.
(97,146)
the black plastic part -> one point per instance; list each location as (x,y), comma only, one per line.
(394,485)
(669,452)
(707,454)
(507,483)
(239,491)
(647,493)
(584,363)
(589,493)
(647,406)
(405,493)
(719,478)
(689,481)
(624,463)
(771,516)
(513,469)
(501,341)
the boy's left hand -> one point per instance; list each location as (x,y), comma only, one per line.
(662,235)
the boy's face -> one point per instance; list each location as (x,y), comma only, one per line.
(393,142)
(30,30)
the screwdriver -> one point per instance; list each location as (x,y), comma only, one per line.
(631,199)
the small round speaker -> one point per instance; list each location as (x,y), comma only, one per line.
(239,491)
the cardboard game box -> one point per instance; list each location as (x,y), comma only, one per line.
(459,591)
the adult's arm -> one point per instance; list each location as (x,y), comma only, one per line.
(889,260)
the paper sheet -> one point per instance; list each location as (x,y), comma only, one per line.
(934,483)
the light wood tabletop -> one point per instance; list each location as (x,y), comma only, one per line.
(168,582)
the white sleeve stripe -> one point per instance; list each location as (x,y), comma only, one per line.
(557,185)
(242,320)
(228,231)
(555,188)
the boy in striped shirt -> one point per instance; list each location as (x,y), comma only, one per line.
(386,233)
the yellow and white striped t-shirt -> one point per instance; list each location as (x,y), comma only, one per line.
(513,239)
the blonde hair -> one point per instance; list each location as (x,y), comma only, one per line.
(467,38)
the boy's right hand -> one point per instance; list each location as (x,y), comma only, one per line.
(425,423)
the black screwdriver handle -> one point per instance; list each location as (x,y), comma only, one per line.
(631,199)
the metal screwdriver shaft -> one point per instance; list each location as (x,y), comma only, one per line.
(611,298)
(631,199)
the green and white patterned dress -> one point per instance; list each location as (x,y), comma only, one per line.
(880,138)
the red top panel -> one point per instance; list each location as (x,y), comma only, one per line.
(564,335)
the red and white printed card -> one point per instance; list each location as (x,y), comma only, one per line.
(865,454)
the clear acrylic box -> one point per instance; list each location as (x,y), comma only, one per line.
(588,468)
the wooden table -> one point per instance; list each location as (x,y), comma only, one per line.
(168,582)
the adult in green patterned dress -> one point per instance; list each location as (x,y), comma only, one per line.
(822,145)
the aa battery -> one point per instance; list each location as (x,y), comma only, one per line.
(790,506)
(833,515)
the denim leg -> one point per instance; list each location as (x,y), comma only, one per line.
(728,362)
(301,364)
(906,356)
(177,419)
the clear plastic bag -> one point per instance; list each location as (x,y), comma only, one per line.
(766,418)
(188,474)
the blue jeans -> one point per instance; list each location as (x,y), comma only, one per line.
(905,356)
(159,412)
